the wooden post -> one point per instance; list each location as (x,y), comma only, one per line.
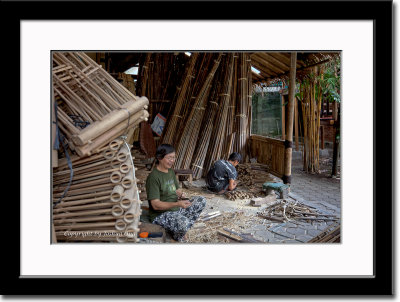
(283,116)
(336,143)
(322,137)
(296,124)
(54,152)
(53,234)
(289,129)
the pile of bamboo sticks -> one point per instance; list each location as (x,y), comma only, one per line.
(102,202)
(250,175)
(85,94)
(286,210)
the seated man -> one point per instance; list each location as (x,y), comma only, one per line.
(222,175)
(167,205)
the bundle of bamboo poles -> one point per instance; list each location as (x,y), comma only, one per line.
(185,148)
(230,135)
(311,99)
(102,202)
(242,108)
(86,94)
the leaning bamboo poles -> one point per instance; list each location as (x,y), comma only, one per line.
(216,145)
(103,201)
(176,118)
(185,148)
(207,126)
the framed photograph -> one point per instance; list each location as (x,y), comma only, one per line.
(362,264)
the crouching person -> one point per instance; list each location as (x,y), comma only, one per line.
(167,206)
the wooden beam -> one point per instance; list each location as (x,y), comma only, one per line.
(296,124)
(283,116)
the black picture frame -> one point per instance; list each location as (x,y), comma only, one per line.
(381,12)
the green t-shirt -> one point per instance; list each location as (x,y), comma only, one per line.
(162,186)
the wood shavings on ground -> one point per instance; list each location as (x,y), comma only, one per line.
(207,231)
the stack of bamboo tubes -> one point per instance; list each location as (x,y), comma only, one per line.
(87,94)
(102,203)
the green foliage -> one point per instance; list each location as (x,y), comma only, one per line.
(331,82)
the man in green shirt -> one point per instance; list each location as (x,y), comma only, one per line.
(167,206)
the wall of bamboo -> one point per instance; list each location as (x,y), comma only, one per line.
(268,151)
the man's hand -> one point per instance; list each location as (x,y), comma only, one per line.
(232,184)
(180,194)
(184,203)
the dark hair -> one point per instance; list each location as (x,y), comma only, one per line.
(163,150)
(235,156)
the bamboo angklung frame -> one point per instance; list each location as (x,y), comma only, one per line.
(89,208)
(82,88)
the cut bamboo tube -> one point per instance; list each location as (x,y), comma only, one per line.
(127,182)
(126,203)
(116,144)
(116,177)
(117,193)
(104,138)
(109,154)
(85,219)
(120,225)
(85,207)
(64,203)
(82,213)
(110,120)
(117,211)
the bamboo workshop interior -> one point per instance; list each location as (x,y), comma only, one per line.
(199,102)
